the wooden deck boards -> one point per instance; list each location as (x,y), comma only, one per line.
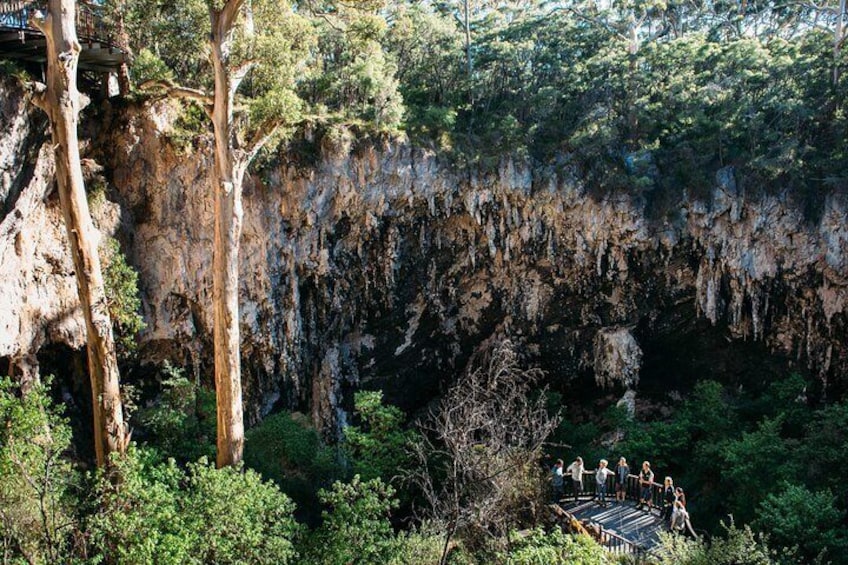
(621,518)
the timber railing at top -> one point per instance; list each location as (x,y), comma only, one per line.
(633,489)
(614,542)
(92,26)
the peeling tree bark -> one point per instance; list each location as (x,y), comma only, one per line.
(61,101)
(227,180)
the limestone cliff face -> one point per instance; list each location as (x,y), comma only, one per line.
(38,294)
(382,266)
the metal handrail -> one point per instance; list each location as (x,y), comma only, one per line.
(91,25)
(611,540)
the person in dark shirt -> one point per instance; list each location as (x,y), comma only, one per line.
(668,499)
(622,469)
(646,484)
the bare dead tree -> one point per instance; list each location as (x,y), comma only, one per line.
(479,450)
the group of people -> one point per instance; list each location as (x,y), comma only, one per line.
(673,498)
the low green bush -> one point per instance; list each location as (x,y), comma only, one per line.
(160,513)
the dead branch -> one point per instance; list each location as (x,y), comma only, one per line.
(478,456)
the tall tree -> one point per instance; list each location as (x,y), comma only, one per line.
(243,124)
(61,100)
(839,36)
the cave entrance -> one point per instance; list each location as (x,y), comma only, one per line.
(70,390)
(675,361)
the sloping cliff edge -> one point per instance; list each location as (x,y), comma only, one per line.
(383,266)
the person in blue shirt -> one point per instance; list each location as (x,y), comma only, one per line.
(557,481)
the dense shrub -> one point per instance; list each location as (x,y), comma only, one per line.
(181,423)
(541,547)
(160,513)
(796,517)
(38,494)
(738,546)
(379,447)
(285,448)
(356,527)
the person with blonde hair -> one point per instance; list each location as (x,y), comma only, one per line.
(646,484)
(668,499)
(622,470)
(601,476)
(576,470)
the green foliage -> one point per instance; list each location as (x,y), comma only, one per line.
(169,34)
(736,547)
(182,423)
(428,50)
(122,296)
(159,513)
(825,447)
(241,517)
(278,46)
(356,528)
(354,81)
(796,517)
(756,459)
(148,66)
(380,446)
(288,450)
(37,484)
(9,68)
(139,520)
(190,124)
(421,546)
(539,547)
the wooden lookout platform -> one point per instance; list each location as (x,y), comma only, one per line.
(20,41)
(619,526)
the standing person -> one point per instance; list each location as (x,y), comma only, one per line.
(646,484)
(680,495)
(621,472)
(557,481)
(668,499)
(576,470)
(679,517)
(601,482)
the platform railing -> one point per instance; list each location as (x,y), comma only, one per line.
(619,545)
(91,25)
(633,489)
(610,540)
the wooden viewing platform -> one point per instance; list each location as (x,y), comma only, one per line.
(21,41)
(619,526)
(622,528)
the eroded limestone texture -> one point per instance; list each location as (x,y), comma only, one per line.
(383,266)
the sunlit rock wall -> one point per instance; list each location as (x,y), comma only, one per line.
(382,266)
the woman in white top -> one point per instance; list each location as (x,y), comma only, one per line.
(576,470)
(679,517)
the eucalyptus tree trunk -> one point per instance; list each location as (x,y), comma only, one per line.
(61,101)
(467,25)
(838,39)
(227,177)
